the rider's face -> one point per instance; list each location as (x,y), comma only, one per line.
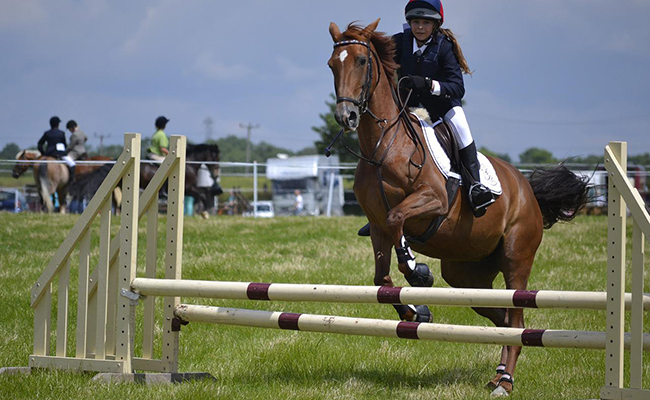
(422,28)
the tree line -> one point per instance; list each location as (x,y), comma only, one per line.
(233,148)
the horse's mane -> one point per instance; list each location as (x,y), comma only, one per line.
(36,153)
(384,45)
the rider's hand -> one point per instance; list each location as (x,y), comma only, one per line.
(419,84)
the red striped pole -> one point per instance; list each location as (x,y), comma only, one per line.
(377,294)
(398,329)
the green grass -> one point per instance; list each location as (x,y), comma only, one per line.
(6,180)
(273,364)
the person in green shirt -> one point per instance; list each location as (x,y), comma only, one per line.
(159,142)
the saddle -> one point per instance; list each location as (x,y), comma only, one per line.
(444,150)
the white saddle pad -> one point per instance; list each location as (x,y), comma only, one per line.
(488,175)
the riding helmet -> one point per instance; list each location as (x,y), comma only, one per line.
(425,9)
(161,122)
(54,122)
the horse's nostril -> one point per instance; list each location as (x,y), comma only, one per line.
(353,117)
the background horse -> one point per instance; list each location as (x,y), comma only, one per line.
(49,177)
(401,191)
(199,152)
(80,171)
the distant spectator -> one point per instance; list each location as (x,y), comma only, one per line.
(159,142)
(231,202)
(299,204)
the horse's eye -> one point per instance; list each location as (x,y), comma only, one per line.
(362,61)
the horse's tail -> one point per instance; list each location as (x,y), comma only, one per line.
(559,192)
(43,186)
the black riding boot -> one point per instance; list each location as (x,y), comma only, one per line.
(480,197)
(365,230)
(71,169)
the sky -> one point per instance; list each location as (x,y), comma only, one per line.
(564,75)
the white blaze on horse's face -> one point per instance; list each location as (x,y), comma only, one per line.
(343,56)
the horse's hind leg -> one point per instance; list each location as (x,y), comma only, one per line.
(515,261)
(480,275)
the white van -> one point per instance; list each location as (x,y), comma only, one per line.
(264,210)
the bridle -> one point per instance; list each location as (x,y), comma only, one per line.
(364,97)
(363,101)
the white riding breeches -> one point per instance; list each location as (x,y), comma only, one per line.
(458,122)
(68,160)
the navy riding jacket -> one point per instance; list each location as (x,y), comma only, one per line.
(439,63)
(56,143)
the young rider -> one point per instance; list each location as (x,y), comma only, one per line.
(53,144)
(159,142)
(433,63)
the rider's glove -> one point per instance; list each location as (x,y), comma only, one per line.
(419,84)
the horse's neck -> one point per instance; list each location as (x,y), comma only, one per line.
(383,106)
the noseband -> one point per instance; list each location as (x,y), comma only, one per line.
(364,98)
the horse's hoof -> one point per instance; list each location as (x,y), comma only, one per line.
(205,215)
(499,392)
(423,314)
(421,276)
(494,383)
(504,388)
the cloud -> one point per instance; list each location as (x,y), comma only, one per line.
(209,66)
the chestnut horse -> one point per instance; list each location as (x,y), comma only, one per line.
(401,191)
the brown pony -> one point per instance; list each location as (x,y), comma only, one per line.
(401,191)
(51,181)
(50,177)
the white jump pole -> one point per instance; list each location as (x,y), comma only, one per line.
(398,329)
(377,294)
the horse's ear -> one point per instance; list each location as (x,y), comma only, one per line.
(372,27)
(335,32)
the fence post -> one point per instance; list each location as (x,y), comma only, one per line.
(128,253)
(255,189)
(615,318)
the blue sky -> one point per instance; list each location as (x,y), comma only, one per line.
(565,75)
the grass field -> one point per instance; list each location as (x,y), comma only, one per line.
(253,363)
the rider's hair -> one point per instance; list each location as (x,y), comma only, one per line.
(457,50)
(71,124)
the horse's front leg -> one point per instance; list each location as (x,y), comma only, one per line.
(423,203)
(382,246)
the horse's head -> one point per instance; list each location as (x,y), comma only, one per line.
(356,70)
(209,153)
(21,167)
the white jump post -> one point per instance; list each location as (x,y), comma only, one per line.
(621,194)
